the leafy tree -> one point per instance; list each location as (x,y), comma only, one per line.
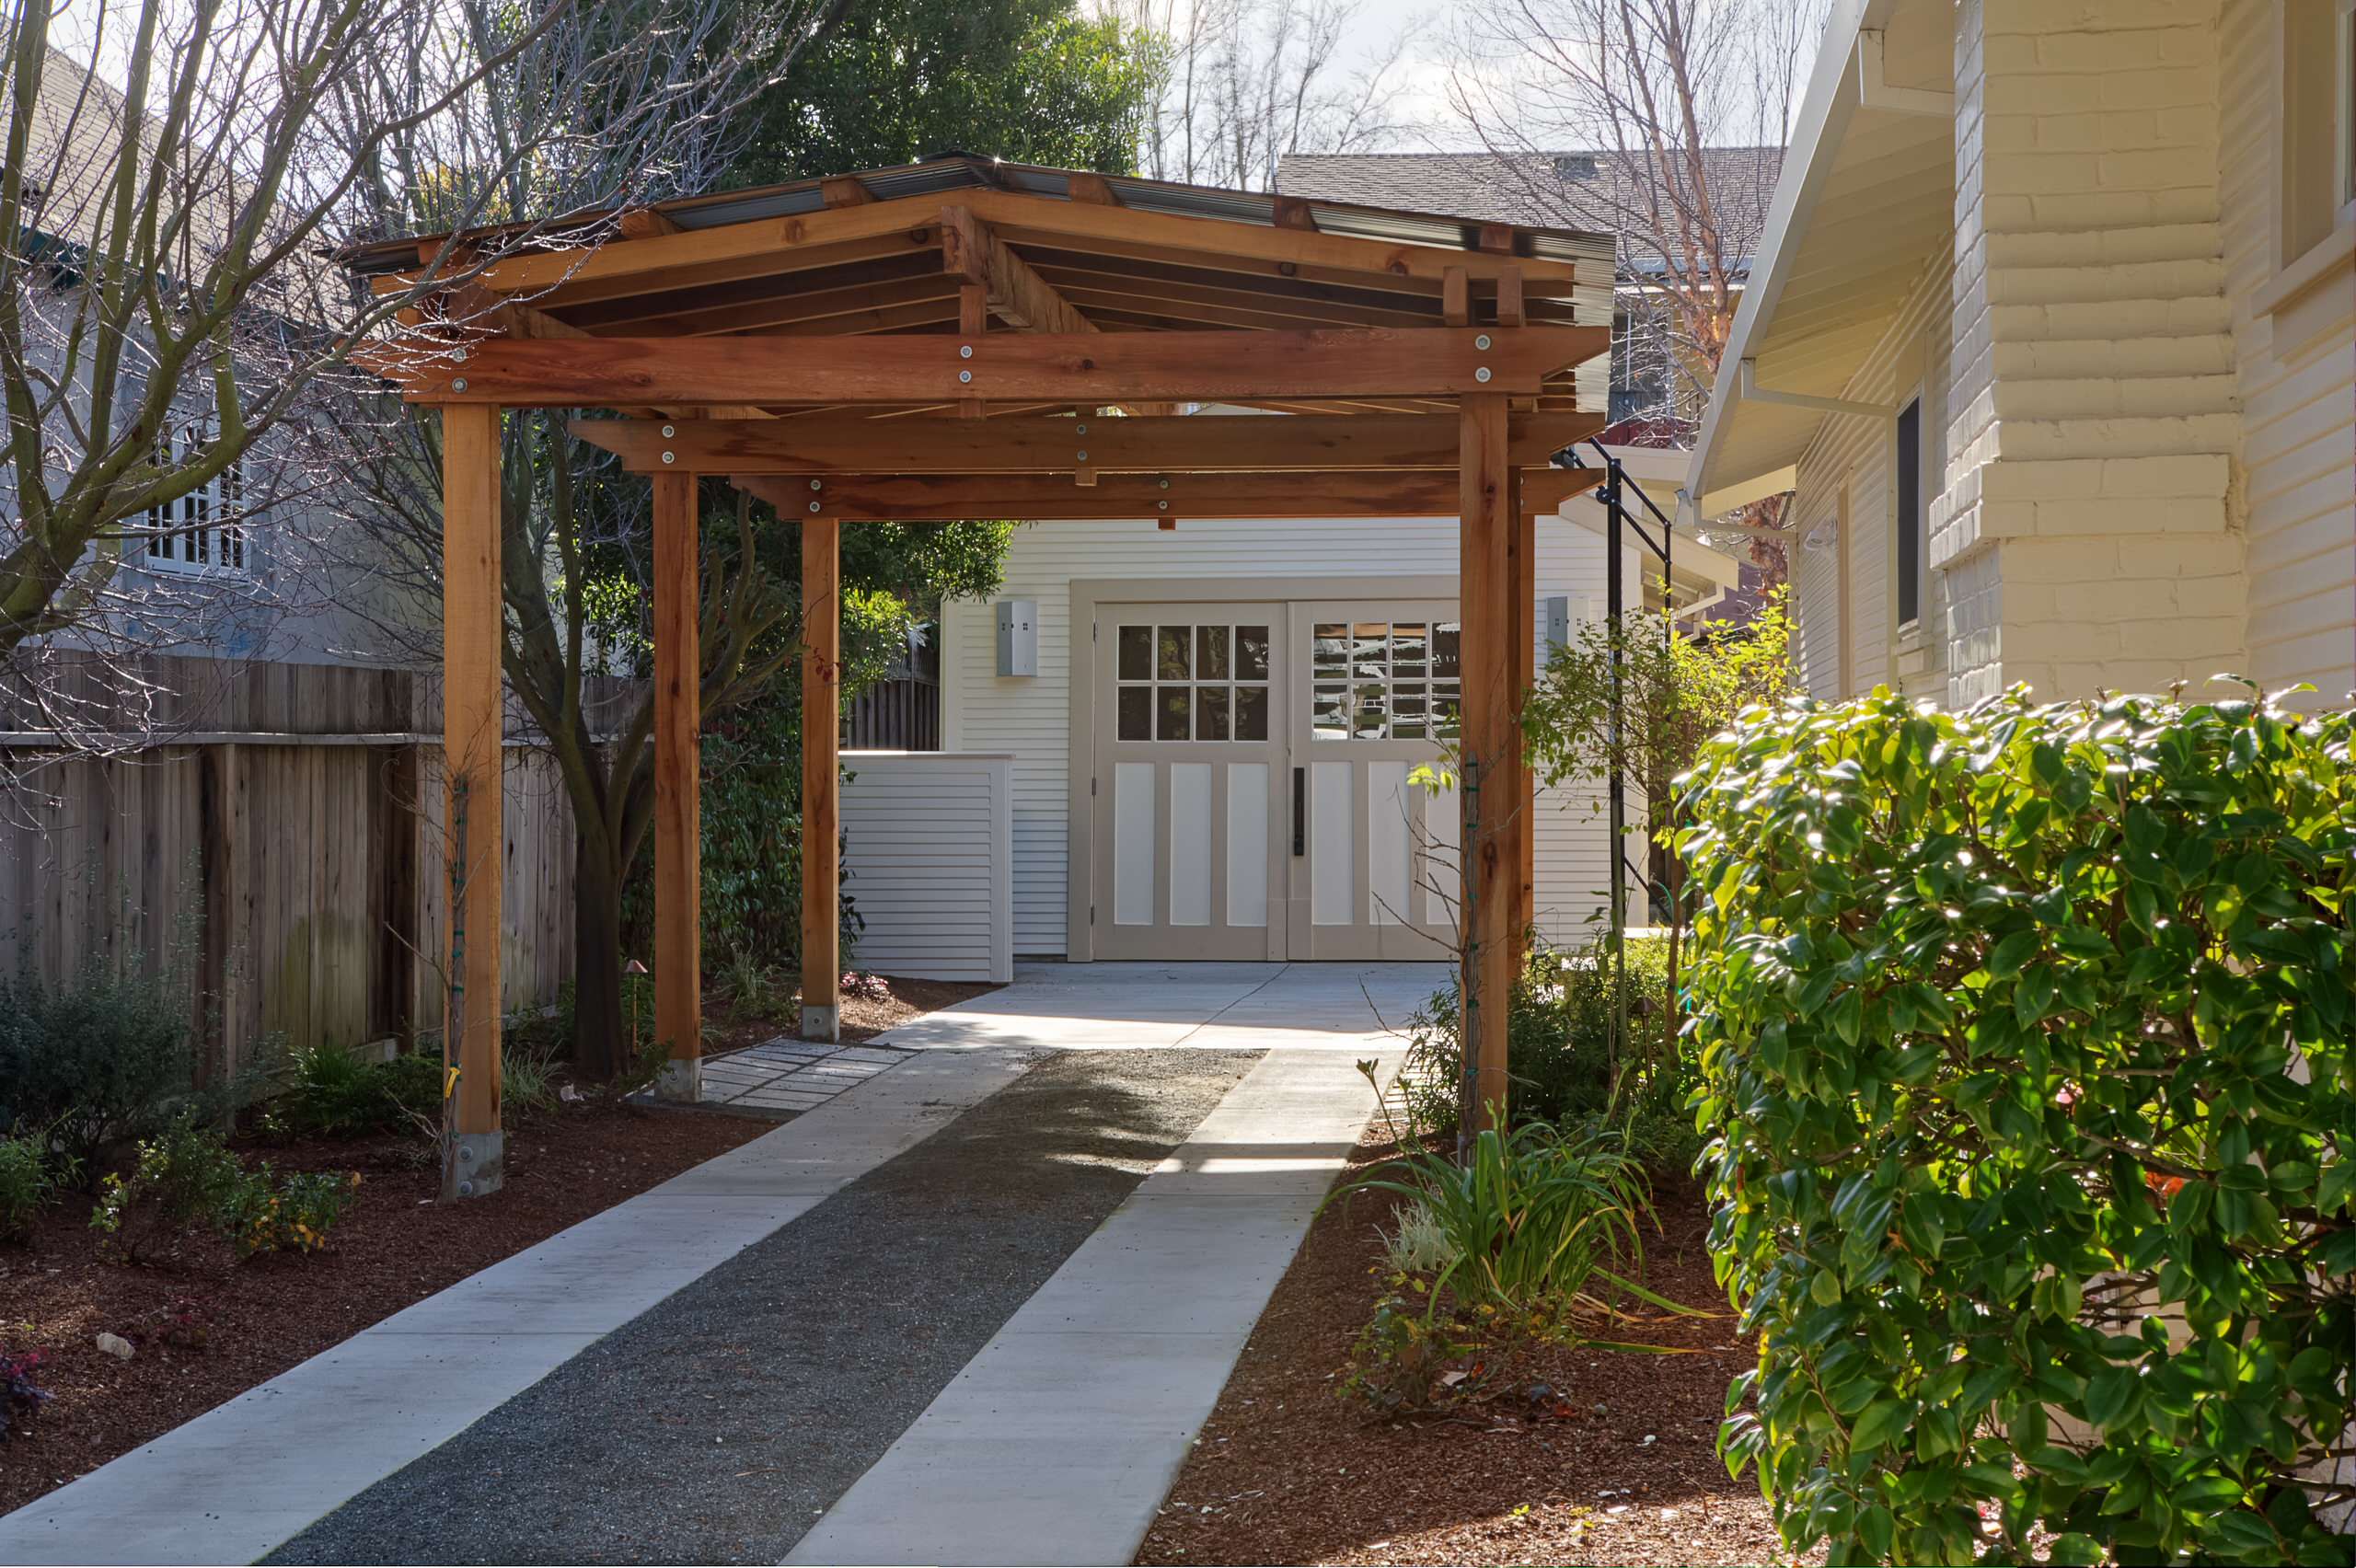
(1679,689)
(1032,81)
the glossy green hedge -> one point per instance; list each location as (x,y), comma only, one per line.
(2026,1042)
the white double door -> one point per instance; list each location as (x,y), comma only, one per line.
(1253,794)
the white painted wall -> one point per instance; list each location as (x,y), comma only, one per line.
(926,837)
(1028,717)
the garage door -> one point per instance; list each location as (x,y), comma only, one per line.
(1252,793)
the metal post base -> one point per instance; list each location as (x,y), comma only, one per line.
(681,1080)
(481,1163)
(822,1023)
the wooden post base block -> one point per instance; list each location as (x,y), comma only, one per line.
(822,1024)
(680,1081)
(481,1164)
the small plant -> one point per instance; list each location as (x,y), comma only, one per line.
(98,1061)
(331,1092)
(1407,1360)
(754,986)
(1417,1245)
(1535,1222)
(527,1082)
(21,1397)
(29,1180)
(186,1178)
(866,987)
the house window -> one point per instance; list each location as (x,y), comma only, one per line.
(206,529)
(1385,680)
(1192,683)
(2318,122)
(1909,513)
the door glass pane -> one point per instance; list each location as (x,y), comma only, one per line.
(1136,713)
(1331,654)
(1210,713)
(1251,713)
(1136,653)
(1329,711)
(1371,650)
(1173,706)
(1445,638)
(1410,651)
(1408,713)
(1251,653)
(1446,707)
(1211,654)
(1369,718)
(1170,663)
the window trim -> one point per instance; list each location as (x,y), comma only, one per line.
(197,530)
(1908,538)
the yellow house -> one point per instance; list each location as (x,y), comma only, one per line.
(2052,337)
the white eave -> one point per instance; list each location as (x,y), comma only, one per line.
(1866,198)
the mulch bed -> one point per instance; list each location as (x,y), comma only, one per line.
(1617,1467)
(863,1018)
(239,1324)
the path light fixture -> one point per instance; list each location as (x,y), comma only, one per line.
(631,970)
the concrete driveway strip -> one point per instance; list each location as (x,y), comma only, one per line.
(1058,1441)
(236,1482)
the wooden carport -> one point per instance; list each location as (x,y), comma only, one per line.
(1026,339)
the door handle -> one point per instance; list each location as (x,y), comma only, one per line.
(1299,812)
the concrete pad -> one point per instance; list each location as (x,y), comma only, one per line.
(1058,1443)
(245,1477)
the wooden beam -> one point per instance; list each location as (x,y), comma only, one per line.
(870,498)
(824,443)
(644,222)
(1084,187)
(821,770)
(473,750)
(844,190)
(1492,749)
(1228,243)
(1292,213)
(678,875)
(671,260)
(1112,367)
(1455,297)
(1024,300)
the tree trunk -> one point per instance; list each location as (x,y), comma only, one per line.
(601,1046)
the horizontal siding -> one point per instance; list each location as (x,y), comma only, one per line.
(926,858)
(2298,489)
(1858,452)
(1030,716)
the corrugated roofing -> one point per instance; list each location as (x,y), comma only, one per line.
(951,173)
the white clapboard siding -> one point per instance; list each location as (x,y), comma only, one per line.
(1030,716)
(928,849)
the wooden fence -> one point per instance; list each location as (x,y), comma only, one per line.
(272,830)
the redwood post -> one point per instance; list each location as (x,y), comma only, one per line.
(821,770)
(1523,662)
(1491,747)
(474,1161)
(678,839)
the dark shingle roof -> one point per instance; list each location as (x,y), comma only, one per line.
(1607,192)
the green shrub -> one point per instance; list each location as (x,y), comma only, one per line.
(1559,1055)
(29,1179)
(99,1061)
(187,1178)
(332,1092)
(1534,1222)
(2027,1042)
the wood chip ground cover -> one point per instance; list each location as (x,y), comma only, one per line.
(1619,1467)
